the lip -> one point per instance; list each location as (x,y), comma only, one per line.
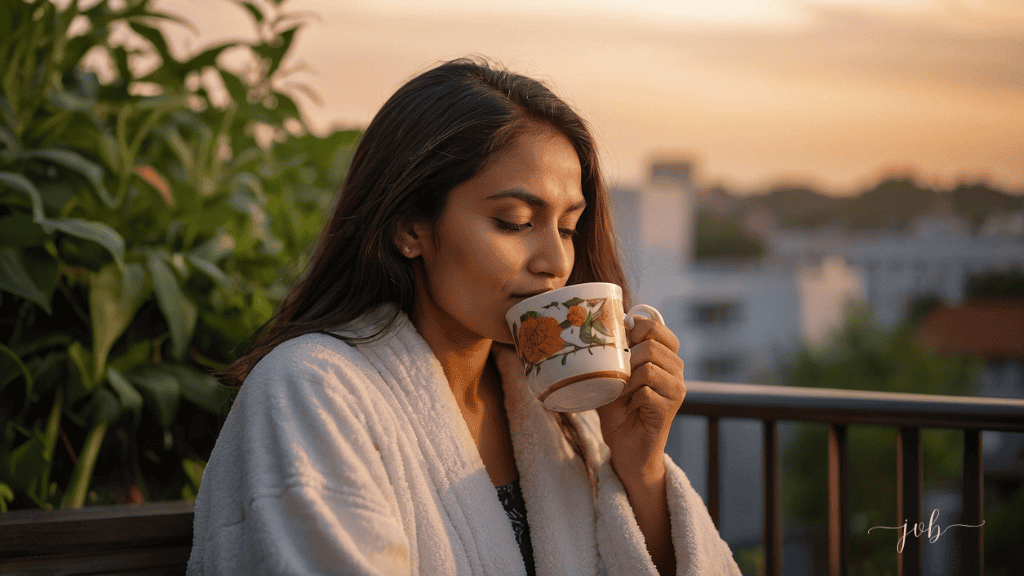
(525,295)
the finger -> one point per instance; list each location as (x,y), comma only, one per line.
(647,329)
(656,352)
(658,380)
(647,397)
(655,377)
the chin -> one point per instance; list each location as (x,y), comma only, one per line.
(504,336)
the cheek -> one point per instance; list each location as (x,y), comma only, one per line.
(472,263)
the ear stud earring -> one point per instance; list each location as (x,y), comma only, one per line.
(408,250)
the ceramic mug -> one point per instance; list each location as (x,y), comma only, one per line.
(573,344)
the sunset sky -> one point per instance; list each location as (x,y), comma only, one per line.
(833,93)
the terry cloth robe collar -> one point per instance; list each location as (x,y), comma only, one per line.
(338,456)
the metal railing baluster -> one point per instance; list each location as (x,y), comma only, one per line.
(713,468)
(909,485)
(972,550)
(772,532)
(838,526)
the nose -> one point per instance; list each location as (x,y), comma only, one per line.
(552,255)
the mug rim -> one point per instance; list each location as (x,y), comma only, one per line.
(615,288)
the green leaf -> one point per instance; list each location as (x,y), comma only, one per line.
(129,397)
(81,476)
(276,52)
(93,231)
(161,389)
(200,388)
(114,298)
(136,355)
(70,101)
(587,330)
(207,57)
(194,469)
(179,312)
(20,183)
(15,278)
(56,196)
(6,495)
(49,439)
(73,161)
(20,230)
(210,269)
(256,13)
(11,145)
(82,361)
(25,465)
(8,358)
(156,38)
(216,248)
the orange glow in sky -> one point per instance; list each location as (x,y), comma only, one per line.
(833,93)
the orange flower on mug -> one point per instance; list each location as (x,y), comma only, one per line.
(576,316)
(539,337)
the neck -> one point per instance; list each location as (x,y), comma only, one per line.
(463,357)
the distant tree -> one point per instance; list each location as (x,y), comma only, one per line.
(976,201)
(797,206)
(718,237)
(864,357)
(891,205)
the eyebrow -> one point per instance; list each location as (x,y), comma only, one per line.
(533,199)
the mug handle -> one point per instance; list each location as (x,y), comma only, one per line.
(650,311)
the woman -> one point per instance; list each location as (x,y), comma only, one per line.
(384,425)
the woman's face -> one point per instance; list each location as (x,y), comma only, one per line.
(504,235)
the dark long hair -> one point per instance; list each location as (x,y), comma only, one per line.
(437,131)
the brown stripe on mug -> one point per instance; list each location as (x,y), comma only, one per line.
(581,377)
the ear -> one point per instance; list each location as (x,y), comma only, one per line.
(411,237)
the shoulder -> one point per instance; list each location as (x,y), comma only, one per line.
(308,354)
(308,369)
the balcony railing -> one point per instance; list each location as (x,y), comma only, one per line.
(156,538)
(907,413)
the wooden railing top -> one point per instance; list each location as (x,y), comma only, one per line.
(95,528)
(765,402)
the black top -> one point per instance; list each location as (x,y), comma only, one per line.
(512,500)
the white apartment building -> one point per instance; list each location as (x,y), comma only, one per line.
(934,259)
(733,322)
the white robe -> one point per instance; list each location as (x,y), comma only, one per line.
(339,459)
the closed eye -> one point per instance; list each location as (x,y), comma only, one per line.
(509,226)
(512,227)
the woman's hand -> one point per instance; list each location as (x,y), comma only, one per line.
(635,426)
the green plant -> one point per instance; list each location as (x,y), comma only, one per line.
(148,225)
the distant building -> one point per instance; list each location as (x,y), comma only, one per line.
(991,328)
(935,259)
(738,321)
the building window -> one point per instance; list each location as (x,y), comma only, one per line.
(712,314)
(719,368)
